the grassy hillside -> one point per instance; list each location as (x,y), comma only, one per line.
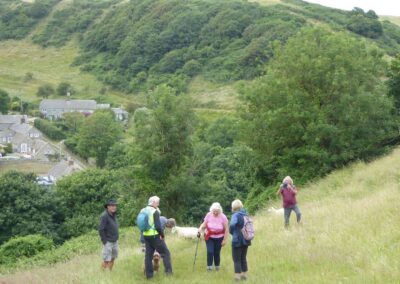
(349,235)
(50,65)
(393,19)
(135,51)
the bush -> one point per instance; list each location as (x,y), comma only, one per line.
(45,91)
(258,197)
(49,129)
(64,88)
(8,149)
(26,246)
(27,208)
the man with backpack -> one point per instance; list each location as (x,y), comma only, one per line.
(242,231)
(149,223)
(165,223)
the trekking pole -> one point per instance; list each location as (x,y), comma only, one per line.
(195,254)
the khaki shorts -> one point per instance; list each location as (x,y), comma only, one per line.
(110,251)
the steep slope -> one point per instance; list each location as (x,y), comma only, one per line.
(349,235)
(136,45)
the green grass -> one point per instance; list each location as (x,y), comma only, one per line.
(350,234)
(53,65)
(393,19)
(210,95)
(48,65)
(26,167)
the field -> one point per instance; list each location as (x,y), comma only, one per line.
(53,65)
(393,19)
(26,167)
(349,235)
(48,66)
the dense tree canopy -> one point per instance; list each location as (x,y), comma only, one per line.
(18,18)
(320,106)
(162,133)
(148,43)
(45,91)
(83,197)
(4,102)
(394,81)
(27,208)
(98,134)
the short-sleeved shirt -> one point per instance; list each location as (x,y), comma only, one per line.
(216,224)
(288,197)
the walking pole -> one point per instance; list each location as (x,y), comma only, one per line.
(195,254)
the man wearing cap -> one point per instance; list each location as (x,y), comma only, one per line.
(108,230)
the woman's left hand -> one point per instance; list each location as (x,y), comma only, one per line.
(223,242)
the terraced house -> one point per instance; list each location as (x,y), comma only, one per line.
(24,138)
(54,109)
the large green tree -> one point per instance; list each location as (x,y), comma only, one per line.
(64,88)
(162,133)
(45,91)
(73,121)
(4,102)
(27,208)
(98,134)
(320,106)
(83,196)
(394,81)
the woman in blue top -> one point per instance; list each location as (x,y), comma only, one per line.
(239,243)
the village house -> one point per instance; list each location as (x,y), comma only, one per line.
(54,109)
(24,138)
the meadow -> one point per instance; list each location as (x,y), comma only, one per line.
(47,66)
(349,235)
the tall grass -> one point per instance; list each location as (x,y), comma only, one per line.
(350,234)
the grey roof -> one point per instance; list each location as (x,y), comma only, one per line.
(6,133)
(23,128)
(68,104)
(10,119)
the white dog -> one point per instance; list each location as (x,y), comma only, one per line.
(273,210)
(185,232)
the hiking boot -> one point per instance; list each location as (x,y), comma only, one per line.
(217,268)
(243,277)
(209,268)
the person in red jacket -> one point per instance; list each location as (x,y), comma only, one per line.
(288,192)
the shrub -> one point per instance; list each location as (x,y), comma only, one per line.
(258,197)
(49,129)
(26,246)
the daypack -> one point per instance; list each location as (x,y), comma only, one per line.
(142,220)
(248,229)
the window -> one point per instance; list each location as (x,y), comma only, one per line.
(24,148)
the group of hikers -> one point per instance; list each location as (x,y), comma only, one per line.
(215,226)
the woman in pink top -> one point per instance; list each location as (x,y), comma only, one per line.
(216,234)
